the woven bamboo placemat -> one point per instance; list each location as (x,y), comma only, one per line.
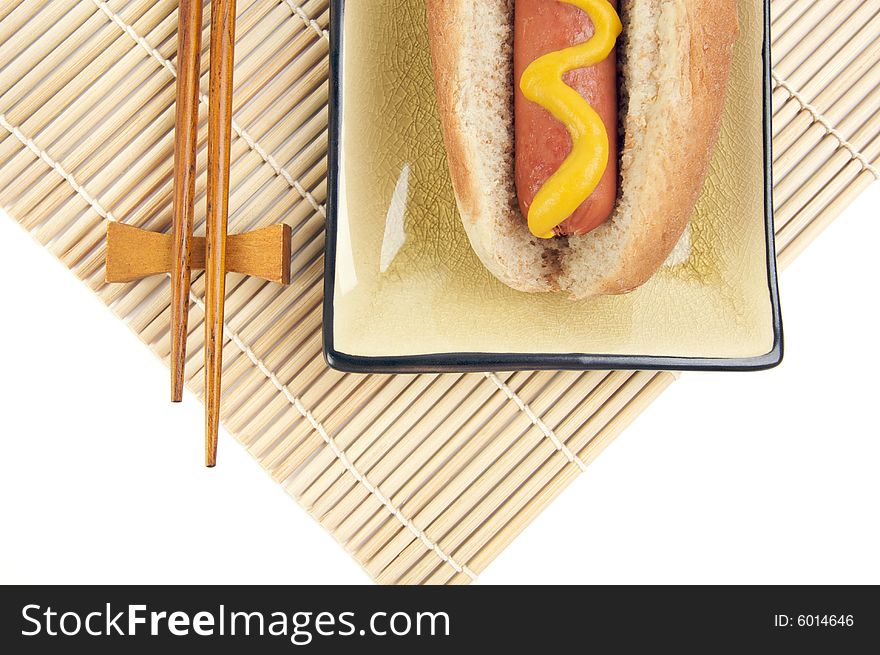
(423,479)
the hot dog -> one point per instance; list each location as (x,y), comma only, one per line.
(543,27)
(579,132)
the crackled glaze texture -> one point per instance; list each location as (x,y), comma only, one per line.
(407,282)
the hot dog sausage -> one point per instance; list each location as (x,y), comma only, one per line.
(542,143)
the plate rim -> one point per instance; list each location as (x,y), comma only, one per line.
(468,362)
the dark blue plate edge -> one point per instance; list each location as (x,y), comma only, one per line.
(479,362)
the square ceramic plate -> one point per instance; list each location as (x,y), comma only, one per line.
(405,293)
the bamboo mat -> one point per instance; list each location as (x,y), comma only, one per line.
(423,479)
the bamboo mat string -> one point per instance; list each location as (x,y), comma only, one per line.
(423,479)
(829,128)
(536,420)
(309,22)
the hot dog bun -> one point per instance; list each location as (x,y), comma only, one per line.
(675,58)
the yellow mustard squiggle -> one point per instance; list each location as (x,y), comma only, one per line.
(581,172)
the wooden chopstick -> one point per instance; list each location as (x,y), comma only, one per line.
(186,132)
(219,136)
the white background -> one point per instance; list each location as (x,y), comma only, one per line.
(728,478)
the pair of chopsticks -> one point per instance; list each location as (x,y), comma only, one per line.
(219,137)
(134,253)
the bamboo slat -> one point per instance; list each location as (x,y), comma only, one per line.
(423,479)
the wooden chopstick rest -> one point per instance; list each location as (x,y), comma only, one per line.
(133,254)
